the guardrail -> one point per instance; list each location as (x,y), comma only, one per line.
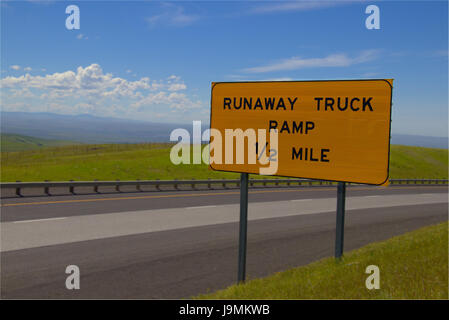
(224,183)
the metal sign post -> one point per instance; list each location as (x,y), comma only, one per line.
(340,229)
(243,226)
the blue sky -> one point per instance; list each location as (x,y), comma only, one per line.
(155,61)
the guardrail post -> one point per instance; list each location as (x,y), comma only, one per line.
(138,185)
(47,189)
(157,185)
(175,185)
(18,193)
(208,184)
(96,187)
(117,186)
(72,188)
(193,184)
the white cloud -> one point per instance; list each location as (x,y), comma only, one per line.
(174,78)
(333,60)
(27,69)
(299,5)
(172,15)
(295,6)
(22,93)
(84,81)
(82,36)
(177,87)
(90,90)
(15,67)
(177,101)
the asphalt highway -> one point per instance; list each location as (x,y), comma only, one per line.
(180,244)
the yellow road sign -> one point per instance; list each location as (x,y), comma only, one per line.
(332,130)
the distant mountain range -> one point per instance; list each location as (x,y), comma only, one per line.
(92,129)
(86,128)
(420,141)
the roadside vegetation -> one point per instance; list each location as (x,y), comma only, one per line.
(412,266)
(149,161)
(416,162)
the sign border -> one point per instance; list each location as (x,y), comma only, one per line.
(213,84)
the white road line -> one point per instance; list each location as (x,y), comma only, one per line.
(368,197)
(38,220)
(201,207)
(300,200)
(16,236)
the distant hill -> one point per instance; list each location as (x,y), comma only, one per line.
(86,128)
(152,161)
(17,142)
(419,141)
(93,129)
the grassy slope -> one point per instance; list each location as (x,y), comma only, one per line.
(151,161)
(418,162)
(16,142)
(412,266)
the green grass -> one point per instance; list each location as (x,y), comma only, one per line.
(152,161)
(412,266)
(417,162)
(103,162)
(16,142)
